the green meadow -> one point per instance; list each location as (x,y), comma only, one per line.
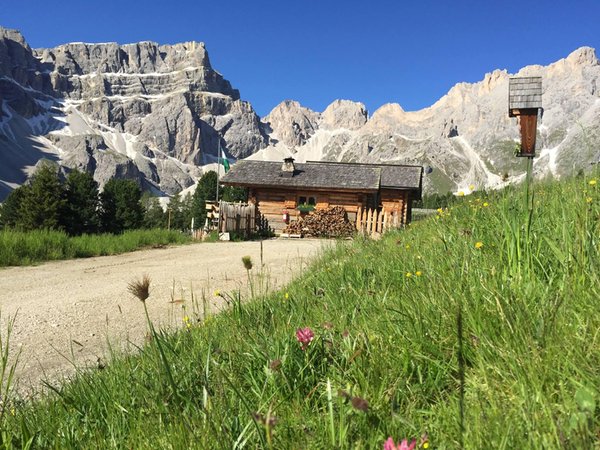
(18,248)
(476,328)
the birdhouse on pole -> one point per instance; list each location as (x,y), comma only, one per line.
(524,103)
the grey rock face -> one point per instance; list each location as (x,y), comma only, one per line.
(344,114)
(93,105)
(291,123)
(466,137)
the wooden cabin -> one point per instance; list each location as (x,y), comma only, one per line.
(278,189)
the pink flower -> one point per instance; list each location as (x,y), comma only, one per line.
(389,444)
(304,336)
(404,445)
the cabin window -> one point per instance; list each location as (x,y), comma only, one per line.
(307,201)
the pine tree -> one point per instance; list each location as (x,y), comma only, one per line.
(198,207)
(44,201)
(208,184)
(154,214)
(121,206)
(10,210)
(235,194)
(81,211)
(175,211)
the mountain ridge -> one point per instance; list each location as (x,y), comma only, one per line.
(158,113)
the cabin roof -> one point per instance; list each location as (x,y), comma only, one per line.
(326,175)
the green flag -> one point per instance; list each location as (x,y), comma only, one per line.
(224,161)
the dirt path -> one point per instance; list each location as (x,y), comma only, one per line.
(70,309)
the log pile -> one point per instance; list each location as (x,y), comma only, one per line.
(329,222)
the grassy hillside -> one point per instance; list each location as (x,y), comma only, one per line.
(479,327)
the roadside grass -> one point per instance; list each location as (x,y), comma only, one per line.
(479,327)
(19,248)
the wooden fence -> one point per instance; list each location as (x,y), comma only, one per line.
(238,218)
(374,223)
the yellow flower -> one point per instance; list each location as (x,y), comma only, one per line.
(588,199)
(186,321)
(461,193)
(286,295)
(592,182)
(408,274)
(471,187)
(407,246)
(217,293)
(486,204)
(478,245)
(418,273)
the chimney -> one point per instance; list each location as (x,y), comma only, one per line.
(287,170)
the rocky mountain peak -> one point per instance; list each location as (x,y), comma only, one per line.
(344,114)
(292,123)
(142,110)
(13,35)
(583,56)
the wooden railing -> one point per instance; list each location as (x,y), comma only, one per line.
(374,223)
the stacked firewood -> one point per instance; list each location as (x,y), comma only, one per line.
(330,222)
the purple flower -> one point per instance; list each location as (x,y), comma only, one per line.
(404,445)
(304,336)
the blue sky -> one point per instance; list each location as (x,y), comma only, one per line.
(315,51)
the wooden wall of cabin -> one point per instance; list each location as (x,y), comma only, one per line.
(272,203)
(397,201)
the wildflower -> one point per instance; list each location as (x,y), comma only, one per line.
(407,246)
(471,187)
(486,204)
(304,337)
(460,194)
(404,445)
(286,295)
(418,273)
(592,182)
(478,245)
(424,443)
(588,199)
(217,293)
(186,322)
(408,274)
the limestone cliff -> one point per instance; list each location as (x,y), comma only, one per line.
(147,111)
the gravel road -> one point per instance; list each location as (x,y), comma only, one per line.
(67,312)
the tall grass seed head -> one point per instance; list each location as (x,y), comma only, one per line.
(140,288)
(247,262)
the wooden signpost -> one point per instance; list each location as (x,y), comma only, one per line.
(524,102)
